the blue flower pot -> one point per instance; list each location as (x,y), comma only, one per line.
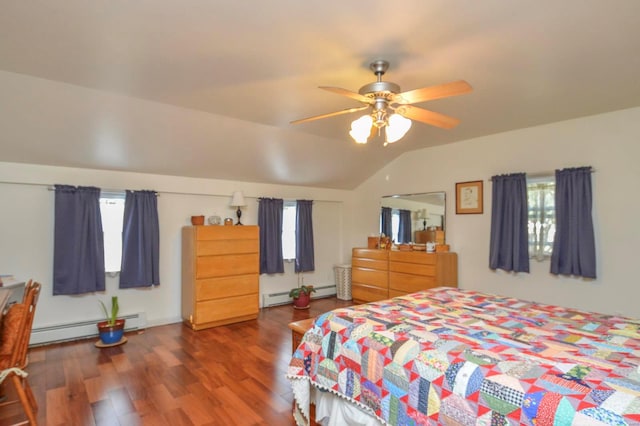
(111,334)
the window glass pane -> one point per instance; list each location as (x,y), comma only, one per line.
(112,212)
(542,225)
(289,231)
(395,225)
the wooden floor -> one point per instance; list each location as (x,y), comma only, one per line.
(171,375)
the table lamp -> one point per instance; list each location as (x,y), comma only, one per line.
(237,200)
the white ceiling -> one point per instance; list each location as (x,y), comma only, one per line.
(243,70)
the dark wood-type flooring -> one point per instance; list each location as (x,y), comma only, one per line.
(171,375)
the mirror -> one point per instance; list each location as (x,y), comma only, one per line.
(427,212)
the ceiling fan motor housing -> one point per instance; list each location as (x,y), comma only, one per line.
(379,89)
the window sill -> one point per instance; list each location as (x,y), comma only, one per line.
(540,259)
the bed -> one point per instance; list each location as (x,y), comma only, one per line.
(453,357)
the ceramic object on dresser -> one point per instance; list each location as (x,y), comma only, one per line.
(197,220)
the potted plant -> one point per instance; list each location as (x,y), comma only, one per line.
(112,329)
(301,296)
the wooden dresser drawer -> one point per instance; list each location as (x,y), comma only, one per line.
(409,283)
(223,309)
(371,277)
(227,233)
(394,293)
(413,257)
(370,253)
(363,293)
(219,288)
(359,262)
(413,268)
(222,266)
(218,247)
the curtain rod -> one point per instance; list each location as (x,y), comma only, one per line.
(51,187)
(541,174)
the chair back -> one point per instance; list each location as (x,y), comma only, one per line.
(17,325)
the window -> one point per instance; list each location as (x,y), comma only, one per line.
(542,220)
(289,230)
(395,225)
(112,213)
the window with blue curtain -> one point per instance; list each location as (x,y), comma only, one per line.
(289,213)
(78,254)
(305,260)
(140,240)
(542,220)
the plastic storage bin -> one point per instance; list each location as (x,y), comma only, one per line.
(343,281)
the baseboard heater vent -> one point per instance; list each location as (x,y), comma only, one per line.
(282,298)
(81,330)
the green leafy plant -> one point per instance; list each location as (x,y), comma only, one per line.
(113,315)
(306,289)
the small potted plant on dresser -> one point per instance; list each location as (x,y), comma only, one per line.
(111,330)
(301,296)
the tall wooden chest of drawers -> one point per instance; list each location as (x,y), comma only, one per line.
(220,275)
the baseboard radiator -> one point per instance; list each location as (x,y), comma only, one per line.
(80,330)
(282,298)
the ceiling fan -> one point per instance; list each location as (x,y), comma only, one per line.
(392,109)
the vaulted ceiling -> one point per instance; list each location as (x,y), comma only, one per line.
(208,88)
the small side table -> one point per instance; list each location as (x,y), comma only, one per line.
(298,328)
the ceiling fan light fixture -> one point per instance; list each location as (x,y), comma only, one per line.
(396,128)
(361,129)
(390,107)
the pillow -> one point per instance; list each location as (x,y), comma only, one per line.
(10,329)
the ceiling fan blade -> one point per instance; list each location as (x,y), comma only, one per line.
(348,93)
(331,114)
(445,90)
(428,117)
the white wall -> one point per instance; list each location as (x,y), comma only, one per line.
(608,142)
(26,234)
(344,219)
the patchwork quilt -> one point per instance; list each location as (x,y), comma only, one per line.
(453,357)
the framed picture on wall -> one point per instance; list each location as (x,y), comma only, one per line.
(469,197)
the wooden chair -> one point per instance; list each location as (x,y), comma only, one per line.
(14,343)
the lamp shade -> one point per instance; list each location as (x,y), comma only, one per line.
(237,199)
(361,128)
(397,127)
